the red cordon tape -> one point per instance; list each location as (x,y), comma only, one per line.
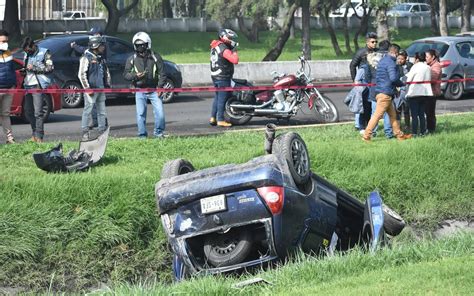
(209,89)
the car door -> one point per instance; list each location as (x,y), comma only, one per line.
(118,52)
(415,10)
(466,59)
(425,11)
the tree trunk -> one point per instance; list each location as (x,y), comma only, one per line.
(275,52)
(345,29)
(434,22)
(466,16)
(364,27)
(324,15)
(11,24)
(306,30)
(382,23)
(443,18)
(249,34)
(167,12)
(114,14)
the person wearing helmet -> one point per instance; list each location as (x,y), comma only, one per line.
(94,31)
(94,74)
(145,69)
(223,58)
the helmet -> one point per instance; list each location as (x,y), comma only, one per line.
(141,38)
(96,41)
(96,31)
(229,37)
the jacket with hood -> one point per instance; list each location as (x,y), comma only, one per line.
(222,61)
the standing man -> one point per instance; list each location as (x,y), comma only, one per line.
(223,58)
(94,74)
(7,81)
(38,63)
(359,59)
(387,78)
(145,69)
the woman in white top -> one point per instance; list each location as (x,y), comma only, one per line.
(417,93)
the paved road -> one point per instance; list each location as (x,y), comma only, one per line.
(188,115)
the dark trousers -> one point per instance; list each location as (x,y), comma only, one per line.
(430,110)
(365,117)
(218,106)
(417,108)
(34,111)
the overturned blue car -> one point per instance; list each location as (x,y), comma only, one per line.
(238,216)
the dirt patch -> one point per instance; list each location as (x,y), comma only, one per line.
(450,227)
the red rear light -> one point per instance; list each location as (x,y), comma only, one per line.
(445,63)
(273,196)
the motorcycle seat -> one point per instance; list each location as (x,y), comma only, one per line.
(240,81)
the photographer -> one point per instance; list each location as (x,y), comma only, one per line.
(145,69)
(38,64)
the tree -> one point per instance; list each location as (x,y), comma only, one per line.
(306,30)
(275,52)
(381,19)
(345,29)
(443,18)
(324,7)
(114,14)
(11,23)
(466,16)
(364,23)
(166,9)
(434,13)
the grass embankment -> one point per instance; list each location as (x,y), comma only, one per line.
(72,231)
(193,47)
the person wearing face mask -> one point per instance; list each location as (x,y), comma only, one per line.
(94,74)
(145,69)
(7,81)
(38,64)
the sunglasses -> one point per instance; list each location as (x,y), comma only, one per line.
(374,41)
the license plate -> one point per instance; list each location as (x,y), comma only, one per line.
(213,204)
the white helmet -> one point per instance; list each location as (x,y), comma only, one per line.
(141,38)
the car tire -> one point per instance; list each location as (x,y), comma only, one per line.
(47,107)
(292,147)
(72,100)
(168,97)
(228,248)
(176,167)
(393,223)
(455,90)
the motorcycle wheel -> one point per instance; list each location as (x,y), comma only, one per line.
(233,116)
(323,114)
(228,248)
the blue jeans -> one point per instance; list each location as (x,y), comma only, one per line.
(387,127)
(97,99)
(218,105)
(417,108)
(34,112)
(141,105)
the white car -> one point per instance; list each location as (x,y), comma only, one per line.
(410,9)
(72,15)
(356,5)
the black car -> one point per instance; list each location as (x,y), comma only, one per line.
(66,65)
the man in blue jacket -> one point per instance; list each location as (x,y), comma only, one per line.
(7,81)
(387,79)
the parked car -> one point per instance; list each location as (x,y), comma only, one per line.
(66,65)
(238,216)
(356,5)
(52,102)
(457,58)
(410,9)
(72,15)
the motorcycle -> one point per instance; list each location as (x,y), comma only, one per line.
(282,103)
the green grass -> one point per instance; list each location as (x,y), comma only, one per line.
(193,47)
(428,267)
(72,231)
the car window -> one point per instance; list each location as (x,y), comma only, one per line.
(67,14)
(416,8)
(402,7)
(425,8)
(423,46)
(118,50)
(465,49)
(77,15)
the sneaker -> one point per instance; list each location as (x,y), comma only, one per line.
(85,136)
(39,140)
(404,137)
(366,139)
(11,141)
(362,132)
(213,121)
(224,124)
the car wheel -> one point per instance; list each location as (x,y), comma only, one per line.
(168,97)
(455,90)
(47,107)
(71,100)
(176,167)
(292,147)
(393,223)
(228,248)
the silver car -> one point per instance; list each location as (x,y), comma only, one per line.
(457,58)
(410,9)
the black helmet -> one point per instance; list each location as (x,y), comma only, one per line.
(229,37)
(96,41)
